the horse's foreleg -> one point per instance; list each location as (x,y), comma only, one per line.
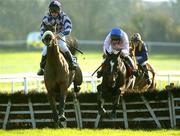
(52,101)
(62,101)
(100,101)
(116,97)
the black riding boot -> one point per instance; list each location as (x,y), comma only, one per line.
(129,63)
(42,66)
(72,63)
(147,75)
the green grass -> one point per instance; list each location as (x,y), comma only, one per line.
(14,61)
(89,132)
(165,61)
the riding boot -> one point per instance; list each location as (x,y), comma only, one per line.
(146,75)
(42,66)
(72,63)
(129,63)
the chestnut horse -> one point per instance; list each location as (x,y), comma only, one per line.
(140,83)
(58,78)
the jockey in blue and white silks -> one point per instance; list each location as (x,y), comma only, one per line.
(117,41)
(112,47)
(56,17)
(140,52)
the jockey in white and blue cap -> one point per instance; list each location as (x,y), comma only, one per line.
(117,41)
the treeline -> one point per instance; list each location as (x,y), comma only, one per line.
(93,19)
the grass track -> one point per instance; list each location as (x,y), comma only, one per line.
(89,132)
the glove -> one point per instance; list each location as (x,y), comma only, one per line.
(115,51)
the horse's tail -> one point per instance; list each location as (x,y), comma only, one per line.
(152,70)
(73,44)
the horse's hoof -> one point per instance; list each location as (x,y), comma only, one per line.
(102,111)
(62,118)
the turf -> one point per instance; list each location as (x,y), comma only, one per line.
(15,61)
(89,132)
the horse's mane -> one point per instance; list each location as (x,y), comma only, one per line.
(71,41)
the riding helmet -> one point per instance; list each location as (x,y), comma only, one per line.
(116,33)
(55,6)
(136,37)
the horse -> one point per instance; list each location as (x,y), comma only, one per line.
(115,79)
(140,83)
(58,78)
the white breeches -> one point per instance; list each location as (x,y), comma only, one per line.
(62,45)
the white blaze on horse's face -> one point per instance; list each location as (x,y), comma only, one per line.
(112,65)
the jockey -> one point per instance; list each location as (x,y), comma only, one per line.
(63,28)
(140,51)
(115,41)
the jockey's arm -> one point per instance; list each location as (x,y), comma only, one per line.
(106,44)
(144,55)
(42,29)
(67,25)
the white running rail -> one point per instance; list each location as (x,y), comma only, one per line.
(30,81)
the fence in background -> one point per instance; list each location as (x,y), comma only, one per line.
(30,81)
(97,45)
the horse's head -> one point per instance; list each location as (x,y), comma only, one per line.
(48,37)
(110,70)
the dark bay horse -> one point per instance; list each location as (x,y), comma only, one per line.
(58,78)
(115,80)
